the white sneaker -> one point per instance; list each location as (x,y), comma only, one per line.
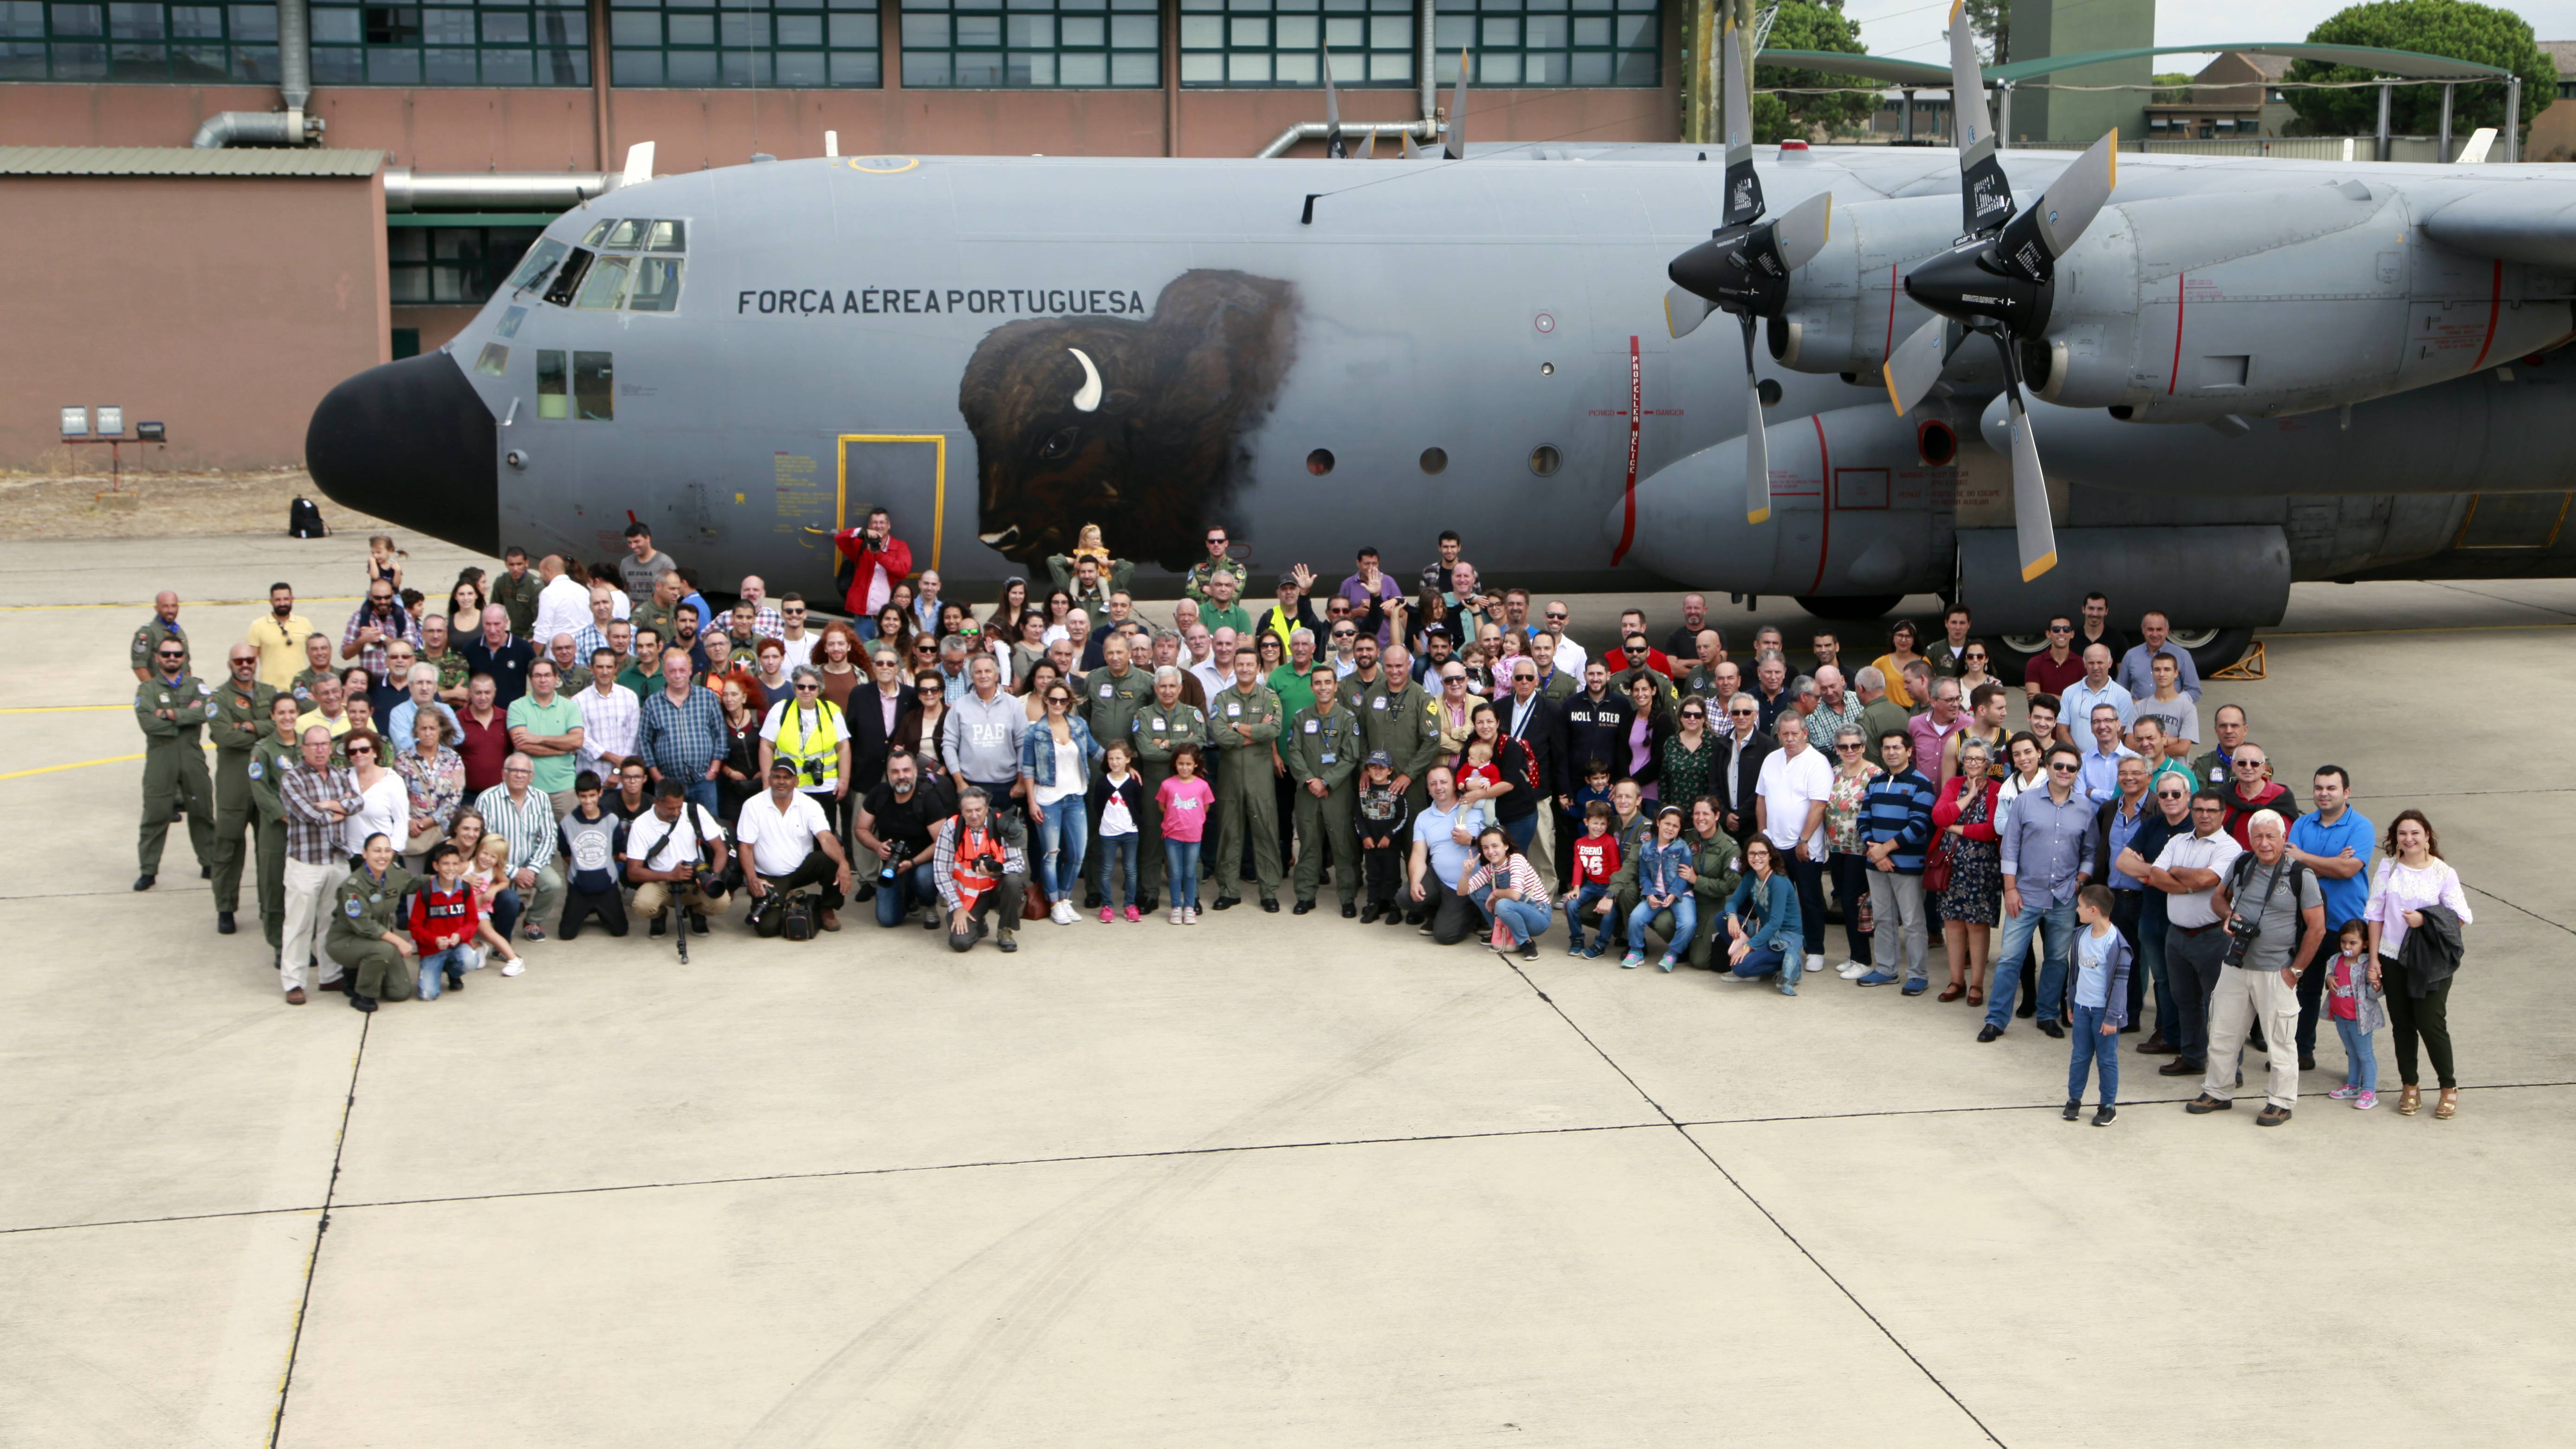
(1851,970)
(1176,915)
(513,967)
(1815,965)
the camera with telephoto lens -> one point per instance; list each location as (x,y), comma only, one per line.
(2240,939)
(810,772)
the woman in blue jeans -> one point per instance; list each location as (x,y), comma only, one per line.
(1515,901)
(1762,920)
(1055,763)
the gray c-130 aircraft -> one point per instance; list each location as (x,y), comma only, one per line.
(2253,371)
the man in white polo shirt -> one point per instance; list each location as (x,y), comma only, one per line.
(787,843)
(2188,871)
(1789,805)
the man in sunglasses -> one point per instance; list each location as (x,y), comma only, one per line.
(1746,745)
(1206,570)
(172,707)
(2047,857)
(2170,795)
(239,721)
(1570,656)
(2054,669)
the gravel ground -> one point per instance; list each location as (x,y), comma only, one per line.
(164,505)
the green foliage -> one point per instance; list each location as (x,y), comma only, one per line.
(2173,88)
(2454,28)
(1991,22)
(1809,25)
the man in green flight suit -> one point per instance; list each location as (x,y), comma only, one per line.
(1243,724)
(172,707)
(1111,697)
(1322,750)
(1217,562)
(239,722)
(1168,721)
(1396,716)
(164,624)
(270,759)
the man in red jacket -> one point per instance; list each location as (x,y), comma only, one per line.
(880,560)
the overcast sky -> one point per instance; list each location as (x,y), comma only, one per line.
(1911,29)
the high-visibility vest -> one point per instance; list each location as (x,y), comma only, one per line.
(822,748)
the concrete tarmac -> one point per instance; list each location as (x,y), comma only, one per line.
(1268,1181)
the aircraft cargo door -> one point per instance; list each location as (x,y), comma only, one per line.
(905,474)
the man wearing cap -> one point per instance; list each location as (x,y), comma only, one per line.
(172,707)
(1322,751)
(787,843)
(239,722)
(1292,612)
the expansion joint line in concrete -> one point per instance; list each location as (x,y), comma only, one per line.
(321,1227)
(1747,1194)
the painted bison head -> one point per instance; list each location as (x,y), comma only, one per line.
(1135,425)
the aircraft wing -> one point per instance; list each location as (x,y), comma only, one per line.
(2530,220)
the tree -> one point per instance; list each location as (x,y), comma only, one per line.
(1809,25)
(1991,22)
(2173,88)
(2457,29)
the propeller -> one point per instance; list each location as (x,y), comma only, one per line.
(1411,151)
(1999,279)
(1368,145)
(1333,146)
(1454,145)
(1745,264)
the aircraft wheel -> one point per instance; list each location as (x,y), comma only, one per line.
(1850,608)
(2214,649)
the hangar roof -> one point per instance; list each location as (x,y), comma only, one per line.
(186,161)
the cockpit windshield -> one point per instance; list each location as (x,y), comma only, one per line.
(539,263)
(606,275)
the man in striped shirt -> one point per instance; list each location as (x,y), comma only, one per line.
(610,713)
(1895,828)
(317,798)
(522,815)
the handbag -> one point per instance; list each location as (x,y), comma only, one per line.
(1936,865)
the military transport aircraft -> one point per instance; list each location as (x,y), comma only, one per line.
(2238,372)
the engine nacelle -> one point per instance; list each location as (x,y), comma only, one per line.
(2226,576)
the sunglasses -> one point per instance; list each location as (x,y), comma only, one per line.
(369,750)
(801,688)
(2171,795)
(1346,633)
(1851,745)
(1555,614)
(172,654)
(1744,713)
(1215,540)
(2061,628)
(1686,714)
(2063,766)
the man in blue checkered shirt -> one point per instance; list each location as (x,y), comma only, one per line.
(680,731)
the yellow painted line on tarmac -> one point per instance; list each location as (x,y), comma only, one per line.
(76,765)
(186,603)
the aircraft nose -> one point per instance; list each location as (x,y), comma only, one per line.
(411,443)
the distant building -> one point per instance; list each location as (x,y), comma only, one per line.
(1931,117)
(2235,95)
(2553,132)
(2044,28)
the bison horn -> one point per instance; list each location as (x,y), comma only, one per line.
(1087,399)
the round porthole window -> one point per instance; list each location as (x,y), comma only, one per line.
(1544,460)
(1770,392)
(1935,443)
(1435,460)
(1319,462)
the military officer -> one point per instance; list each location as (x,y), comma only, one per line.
(515,589)
(366,928)
(239,722)
(164,624)
(1167,721)
(1397,716)
(1322,750)
(172,708)
(270,759)
(1112,696)
(1243,726)
(1217,562)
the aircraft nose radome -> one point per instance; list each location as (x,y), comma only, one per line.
(411,443)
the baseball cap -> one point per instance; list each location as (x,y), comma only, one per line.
(1379,757)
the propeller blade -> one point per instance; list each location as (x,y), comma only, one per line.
(1757,448)
(1684,311)
(2035,240)
(1333,146)
(1916,364)
(1801,231)
(1411,151)
(1455,146)
(2033,531)
(1368,145)
(1743,187)
(1985,195)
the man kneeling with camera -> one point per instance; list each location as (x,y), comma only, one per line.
(677,850)
(788,844)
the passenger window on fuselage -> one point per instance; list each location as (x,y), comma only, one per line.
(605,287)
(657,285)
(494,361)
(553,397)
(594,387)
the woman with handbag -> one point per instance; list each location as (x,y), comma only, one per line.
(1965,872)
(2413,887)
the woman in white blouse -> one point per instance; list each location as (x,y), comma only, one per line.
(2411,879)
(384,799)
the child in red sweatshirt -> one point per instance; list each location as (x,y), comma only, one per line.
(446,921)
(1596,858)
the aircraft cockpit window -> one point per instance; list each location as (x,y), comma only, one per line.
(596,234)
(626,235)
(560,294)
(540,261)
(605,287)
(594,387)
(510,321)
(657,285)
(669,236)
(553,393)
(494,361)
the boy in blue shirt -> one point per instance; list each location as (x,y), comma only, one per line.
(2098,1006)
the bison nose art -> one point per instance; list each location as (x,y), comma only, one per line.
(1087,397)
(1003,539)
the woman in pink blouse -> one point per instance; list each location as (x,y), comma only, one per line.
(2411,878)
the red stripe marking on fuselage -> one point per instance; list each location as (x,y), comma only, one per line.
(2495,306)
(1825,466)
(2181,280)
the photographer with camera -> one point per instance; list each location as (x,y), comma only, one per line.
(981,863)
(781,825)
(896,823)
(880,561)
(677,850)
(2271,933)
(808,734)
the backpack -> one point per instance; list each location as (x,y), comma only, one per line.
(304,519)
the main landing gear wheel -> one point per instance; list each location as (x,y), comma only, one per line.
(1848,608)
(2211,650)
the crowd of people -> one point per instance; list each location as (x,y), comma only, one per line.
(559,746)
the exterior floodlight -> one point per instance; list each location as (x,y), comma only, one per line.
(75,422)
(111,420)
(149,432)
